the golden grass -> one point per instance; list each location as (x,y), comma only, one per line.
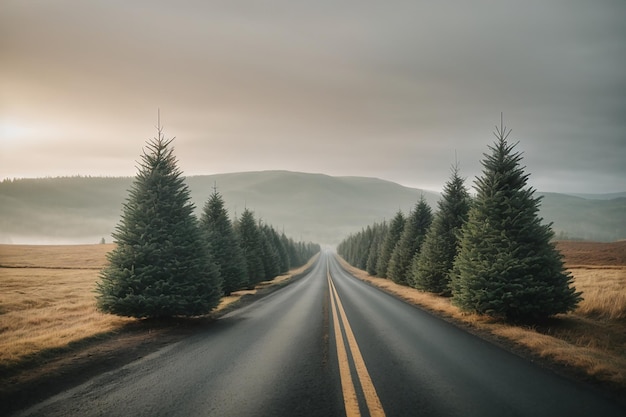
(593,253)
(591,339)
(47,298)
(604,292)
(54,256)
(47,301)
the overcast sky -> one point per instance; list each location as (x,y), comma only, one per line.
(388,89)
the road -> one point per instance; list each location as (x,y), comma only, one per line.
(329,345)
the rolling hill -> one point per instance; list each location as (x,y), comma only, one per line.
(311,207)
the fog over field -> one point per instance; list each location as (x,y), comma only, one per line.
(310,207)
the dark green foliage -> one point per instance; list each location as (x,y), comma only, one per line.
(299,252)
(432,271)
(278,244)
(263,252)
(292,251)
(224,244)
(413,235)
(507,266)
(250,240)
(379,232)
(424,222)
(389,244)
(269,253)
(161,266)
(348,248)
(361,249)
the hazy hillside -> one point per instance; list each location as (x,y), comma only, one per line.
(582,218)
(312,207)
(611,196)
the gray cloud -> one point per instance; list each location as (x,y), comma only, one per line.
(352,88)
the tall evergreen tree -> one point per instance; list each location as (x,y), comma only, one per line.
(432,271)
(379,232)
(364,243)
(299,252)
(424,221)
(250,240)
(161,266)
(410,242)
(269,253)
(224,244)
(290,248)
(507,265)
(278,244)
(389,244)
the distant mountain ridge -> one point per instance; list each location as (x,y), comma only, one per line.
(610,196)
(311,207)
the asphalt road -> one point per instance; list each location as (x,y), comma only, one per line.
(329,345)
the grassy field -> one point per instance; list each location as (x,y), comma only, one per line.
(47,298)
(592,339)
(47,302)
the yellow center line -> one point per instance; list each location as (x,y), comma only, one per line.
(369,392)
(350,400)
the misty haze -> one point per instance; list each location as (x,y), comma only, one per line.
(331,218)
(314,207)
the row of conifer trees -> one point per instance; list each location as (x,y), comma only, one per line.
(168,263)
(491,253)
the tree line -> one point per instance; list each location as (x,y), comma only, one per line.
(492,254)
(167,262)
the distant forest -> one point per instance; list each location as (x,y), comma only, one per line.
(309,207)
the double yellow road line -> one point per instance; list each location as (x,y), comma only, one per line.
(350,399)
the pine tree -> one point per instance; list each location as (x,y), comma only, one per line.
(365,239)
(290,248)
(379,232)
(277,242)
(410,242)
(250,240)
(424,221)
(507,265)
(224,244)
(389,244)
(269,253)
(282,252)
(440,247)
(160,266)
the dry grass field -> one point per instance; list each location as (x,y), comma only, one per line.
(47,298)
(591,340)
(47,303)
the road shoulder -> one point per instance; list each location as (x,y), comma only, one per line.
(55,371)
(487,330)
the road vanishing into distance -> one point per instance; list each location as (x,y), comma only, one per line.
(329,345)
